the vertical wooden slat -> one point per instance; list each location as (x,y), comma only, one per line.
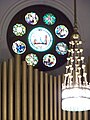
(59,97)
(46,96)
(0,91)
(64,115)
(17,87)
(24,91)
(30,93)
(4,91)
(79,115)
(41,95)
(10,90)
(74,115)
(86,115)
(36,95)
(55,98)
(69,115)
(51,98)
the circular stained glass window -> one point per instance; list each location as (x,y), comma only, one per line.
(19,47)
(40,39)
(31,59)
(31,18)
(61,48)
(61,31)
(49,60)
(19,29)
(40,29)
(49,19)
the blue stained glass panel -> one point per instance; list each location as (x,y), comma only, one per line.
(61,48)
(61,31)
(19,47)
(49,60)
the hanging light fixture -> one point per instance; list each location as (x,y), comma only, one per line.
(75,87)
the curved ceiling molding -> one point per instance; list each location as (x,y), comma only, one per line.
(20,5)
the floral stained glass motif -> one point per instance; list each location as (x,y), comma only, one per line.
(31,18)
(19,47)
(19,29)
(61,48)
(49,60)
(40,39)
(31,59)
(61,31)
(49,19)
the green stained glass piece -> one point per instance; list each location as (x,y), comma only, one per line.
(49,19)
(19,29)
(31,59)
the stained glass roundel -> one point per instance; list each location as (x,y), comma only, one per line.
(61,31)
(40,39)
(36,32)
(19,29)
(31,18)
(49,60)
(31,59)
(49,19)
(19,47)
(61,48)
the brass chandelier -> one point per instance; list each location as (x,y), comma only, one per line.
(75,88)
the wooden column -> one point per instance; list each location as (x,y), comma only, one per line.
(10,89)
(59,97)
(79,115)
(41,96)
(36,95)
(24,91)
(30,93)
(55,98)
(86,115)
(4,91)
(46,96)
(51,97)
(64,115)
(69,115)
(74,115)
(17,87)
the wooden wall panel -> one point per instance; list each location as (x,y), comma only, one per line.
(29,94)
